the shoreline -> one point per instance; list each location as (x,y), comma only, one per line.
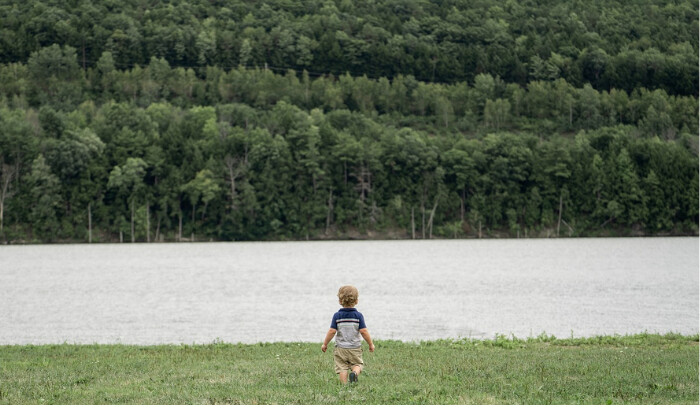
(497,340)
(358,238)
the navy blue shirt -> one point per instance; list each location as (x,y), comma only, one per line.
(348,322)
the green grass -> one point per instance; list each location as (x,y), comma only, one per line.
(637,369)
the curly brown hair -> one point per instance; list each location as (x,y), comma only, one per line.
(348,295)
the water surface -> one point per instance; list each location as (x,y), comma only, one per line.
(286,291)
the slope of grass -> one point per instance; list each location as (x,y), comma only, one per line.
(637,369)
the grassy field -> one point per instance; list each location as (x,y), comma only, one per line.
(637,369)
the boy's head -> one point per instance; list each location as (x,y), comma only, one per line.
(348,295)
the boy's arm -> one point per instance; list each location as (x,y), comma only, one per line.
(329,336)
(365,335)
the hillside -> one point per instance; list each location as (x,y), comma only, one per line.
(144,121)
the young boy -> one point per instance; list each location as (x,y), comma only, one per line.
(347,326)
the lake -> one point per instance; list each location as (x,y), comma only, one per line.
(409,290)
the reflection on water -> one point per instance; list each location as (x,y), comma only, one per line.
(409,290)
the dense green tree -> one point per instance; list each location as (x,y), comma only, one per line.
(609,45)
(279,120)
(55,77)
(202,188)
(17,147)
(128,181)
(45,197)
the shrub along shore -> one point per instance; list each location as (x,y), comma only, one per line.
(633,369)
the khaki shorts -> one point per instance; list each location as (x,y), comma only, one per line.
(346,359)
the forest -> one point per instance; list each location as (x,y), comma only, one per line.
(155,120)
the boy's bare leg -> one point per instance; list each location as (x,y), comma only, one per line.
(343,377)
(357,370)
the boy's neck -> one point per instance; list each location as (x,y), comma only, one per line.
(349,307)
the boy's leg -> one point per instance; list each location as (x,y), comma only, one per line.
(356,363)
(341,365)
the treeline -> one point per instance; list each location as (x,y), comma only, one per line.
(197,120)
(143,162)
(53,78)
(609,44)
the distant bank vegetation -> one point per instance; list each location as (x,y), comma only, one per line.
(607,43)
(292,120)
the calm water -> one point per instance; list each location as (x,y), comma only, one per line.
(409,290)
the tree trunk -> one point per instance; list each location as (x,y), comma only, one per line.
(2,212)
(7,173)
(369,182)
(193,220)
(571,230)
(560,206)
(179,234)
(430,221)
(571,114)
(121,236)
(479,229)
(90,223)
(330,210)
(422,211)
(413,225)
(158,229)
(148,223)
(612,218)
(230,163)
(133,211)
(463,199)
